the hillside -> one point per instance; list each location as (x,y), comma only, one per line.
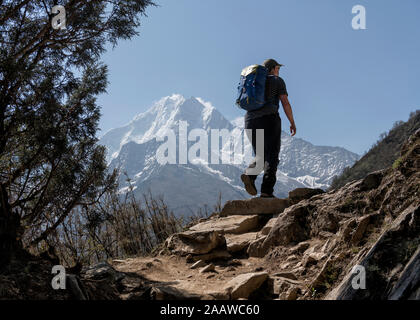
(302,247)
(310,245)
(382,155)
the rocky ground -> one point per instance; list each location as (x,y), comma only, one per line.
(302,247)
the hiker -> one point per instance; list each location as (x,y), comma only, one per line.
(267,117)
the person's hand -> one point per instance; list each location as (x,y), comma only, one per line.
(293,129)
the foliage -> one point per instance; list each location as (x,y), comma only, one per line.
(49,81)
(382,154)
(116,227)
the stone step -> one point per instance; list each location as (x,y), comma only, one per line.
(236,224)
(238,242)
(254,206)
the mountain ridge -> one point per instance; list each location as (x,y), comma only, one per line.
(383,153)
(302,164)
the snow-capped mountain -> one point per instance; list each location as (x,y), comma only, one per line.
(186,186)
(164,115)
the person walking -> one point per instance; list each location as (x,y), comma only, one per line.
(267,118)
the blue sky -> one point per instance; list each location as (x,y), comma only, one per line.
(345,86)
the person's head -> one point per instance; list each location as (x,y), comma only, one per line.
(272,66)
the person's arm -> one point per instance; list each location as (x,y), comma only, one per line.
(288,111)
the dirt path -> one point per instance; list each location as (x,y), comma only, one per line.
(175,272)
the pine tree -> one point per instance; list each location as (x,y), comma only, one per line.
(49,81)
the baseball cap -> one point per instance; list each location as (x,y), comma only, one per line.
(271,63)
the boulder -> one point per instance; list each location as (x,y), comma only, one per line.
(290,227)
(254,206)
(323,273)
(239,242)
(243,285)
(300,194)
(102,270)
(363,222)
(256,248)
(268,226)
(290,294)
(195,242)
(372,180)
(347,229)
(236,224)
(324,220)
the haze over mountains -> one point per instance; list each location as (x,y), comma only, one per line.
(185,187)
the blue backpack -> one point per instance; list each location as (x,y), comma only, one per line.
(251,87)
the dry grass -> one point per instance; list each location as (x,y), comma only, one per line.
(117,227)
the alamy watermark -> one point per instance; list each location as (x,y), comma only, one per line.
(216,146)
(359,20)
(359,280)
(58,281)
(58,22)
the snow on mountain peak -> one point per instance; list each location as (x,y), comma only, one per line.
(165,114)
(238,122)
(165,104)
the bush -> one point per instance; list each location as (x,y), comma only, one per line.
(117,227)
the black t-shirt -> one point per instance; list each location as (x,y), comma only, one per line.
(274,87)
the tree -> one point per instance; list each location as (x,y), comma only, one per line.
(49,80)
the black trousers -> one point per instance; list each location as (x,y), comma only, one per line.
(272,141)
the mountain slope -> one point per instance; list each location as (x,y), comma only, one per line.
(383,154)
(133,148)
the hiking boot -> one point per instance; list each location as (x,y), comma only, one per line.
(249,184)
(266,195)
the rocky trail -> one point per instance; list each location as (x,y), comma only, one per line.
(301,247)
